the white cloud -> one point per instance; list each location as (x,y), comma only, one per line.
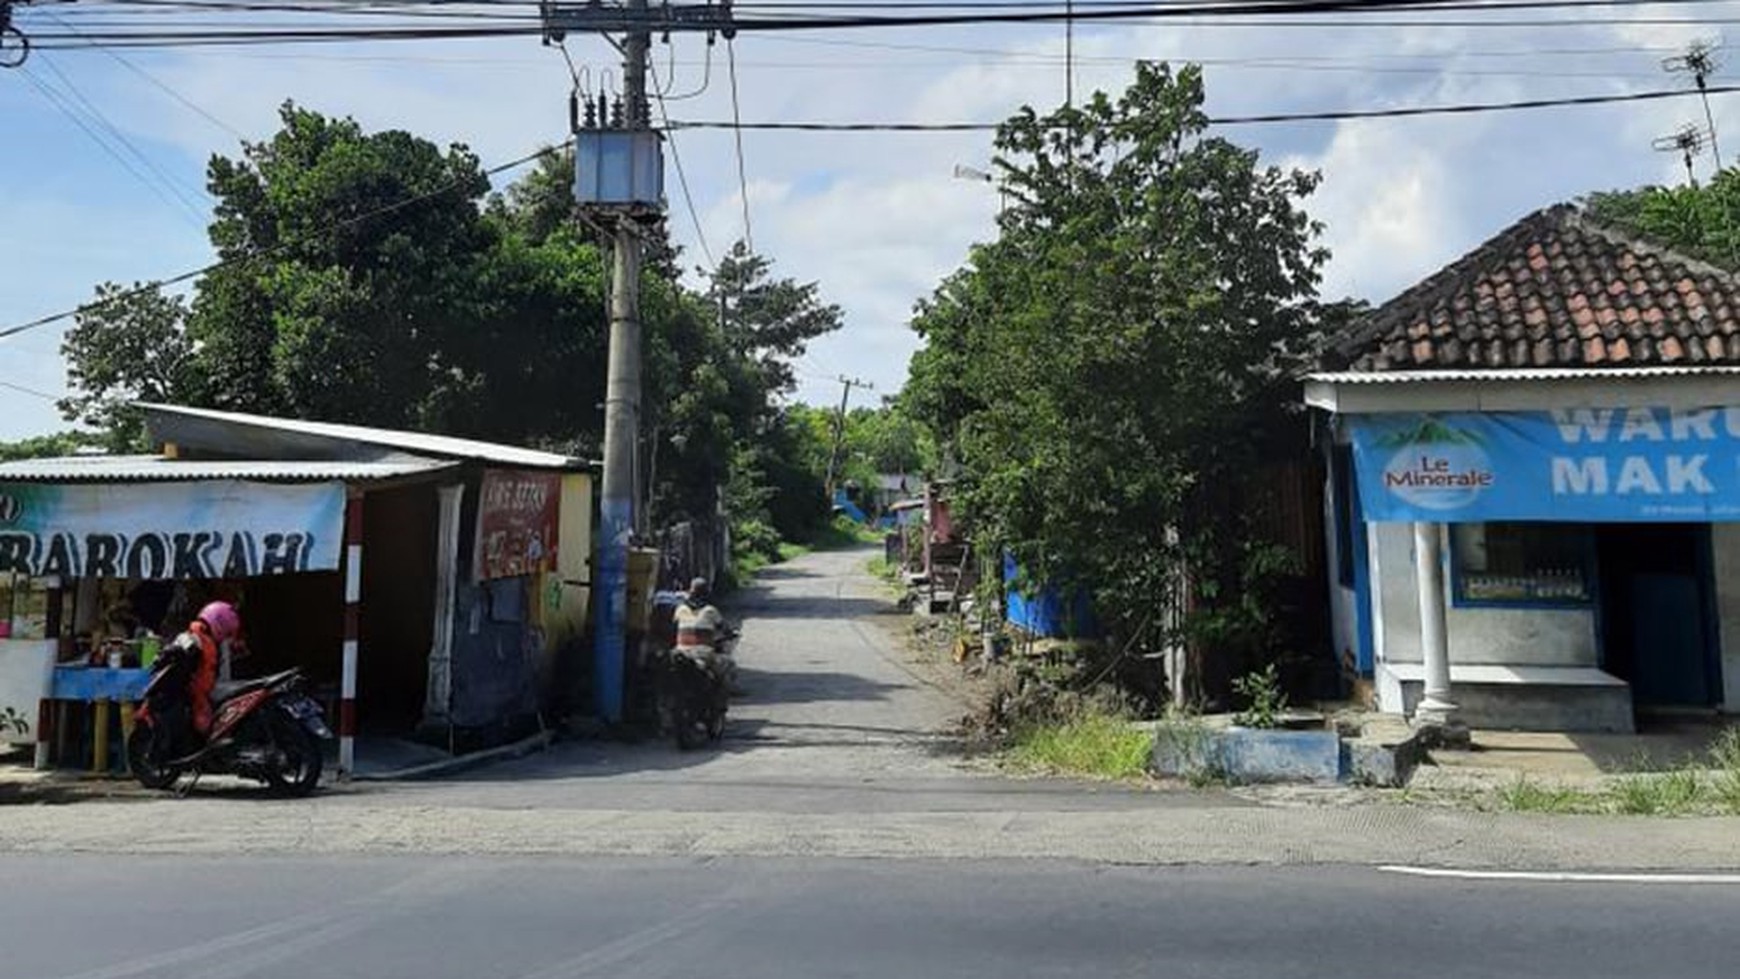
(876,218)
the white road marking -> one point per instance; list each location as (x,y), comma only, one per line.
(1561,877)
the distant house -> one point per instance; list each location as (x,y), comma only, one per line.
(1534,484)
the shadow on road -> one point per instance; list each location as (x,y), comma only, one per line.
(783,572)
(811,686)
(811,607)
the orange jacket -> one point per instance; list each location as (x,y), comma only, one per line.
(199,688)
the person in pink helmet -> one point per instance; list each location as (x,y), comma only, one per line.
(215,625)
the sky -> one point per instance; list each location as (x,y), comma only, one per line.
(101,172)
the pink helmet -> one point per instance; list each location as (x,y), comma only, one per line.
(222,619)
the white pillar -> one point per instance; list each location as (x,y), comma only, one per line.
(437,701)
(1435,706)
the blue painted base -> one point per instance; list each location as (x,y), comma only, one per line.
(1247,755)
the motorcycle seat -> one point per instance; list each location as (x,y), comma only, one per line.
(224,691)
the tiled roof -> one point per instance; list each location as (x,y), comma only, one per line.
(1554,290)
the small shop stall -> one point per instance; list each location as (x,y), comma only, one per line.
(1533,489)
(452,631)
(102,561)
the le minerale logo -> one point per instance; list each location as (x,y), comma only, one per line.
(1437,467)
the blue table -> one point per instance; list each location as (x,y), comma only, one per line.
(91,684)
(100,688)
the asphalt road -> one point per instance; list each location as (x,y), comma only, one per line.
(107,917)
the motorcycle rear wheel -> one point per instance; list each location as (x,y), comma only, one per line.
(301,774)
(148,771)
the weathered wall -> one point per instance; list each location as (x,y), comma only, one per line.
(1725,546)
(1515,637)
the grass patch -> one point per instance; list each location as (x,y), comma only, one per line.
(1527,795)
(1675,793)
(1725,757)
(788,550)
(1095,745)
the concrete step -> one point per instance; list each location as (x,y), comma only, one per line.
(1522,698)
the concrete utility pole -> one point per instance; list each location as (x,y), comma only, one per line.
(619,181)
(621,413)
(846,386)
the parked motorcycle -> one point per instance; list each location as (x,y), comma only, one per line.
(267,730)
(697,692)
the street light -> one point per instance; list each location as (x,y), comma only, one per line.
(964,172)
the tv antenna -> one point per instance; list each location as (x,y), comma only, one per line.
(1700,61)
(1688,142)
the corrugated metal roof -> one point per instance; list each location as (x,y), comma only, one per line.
(131,468)
(1519,374)
(225,425)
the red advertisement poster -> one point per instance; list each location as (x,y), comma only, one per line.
(516,523)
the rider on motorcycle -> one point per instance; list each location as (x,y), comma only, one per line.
(216,625)
(702,631)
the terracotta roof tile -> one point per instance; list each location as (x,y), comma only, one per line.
(1554,290)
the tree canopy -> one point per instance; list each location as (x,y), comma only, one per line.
(1121,357)
(373,278)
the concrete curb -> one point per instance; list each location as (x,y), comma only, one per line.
(448,766)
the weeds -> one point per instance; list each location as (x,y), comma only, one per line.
(1266,701)
(1674,793)
(1725,757)
(1100,745)
(1527,795)
(1696,786)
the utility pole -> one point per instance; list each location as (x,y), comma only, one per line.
(619,183)
(846,386)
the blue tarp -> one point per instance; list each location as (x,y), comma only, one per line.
(1048,613)
(844,504)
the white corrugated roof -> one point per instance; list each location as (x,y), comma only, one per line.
(1518,374)
(151,468)
(414,442)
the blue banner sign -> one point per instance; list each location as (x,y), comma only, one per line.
(1577,464)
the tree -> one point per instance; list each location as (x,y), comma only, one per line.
(1703,222)
(49,446)
(771,321)
(131,344)
(1121,359)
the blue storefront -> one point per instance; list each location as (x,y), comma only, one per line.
(1561,546)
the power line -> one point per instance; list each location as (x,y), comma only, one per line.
(683,179)
(41,321)
(1466,108)
(162,188)
(737,134)
(154,80)
(1246,12)
(33,392)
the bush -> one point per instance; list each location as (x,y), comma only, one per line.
(1094,743)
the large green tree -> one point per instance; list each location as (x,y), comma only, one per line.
(1118,364)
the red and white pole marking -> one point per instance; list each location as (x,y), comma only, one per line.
(353,527)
